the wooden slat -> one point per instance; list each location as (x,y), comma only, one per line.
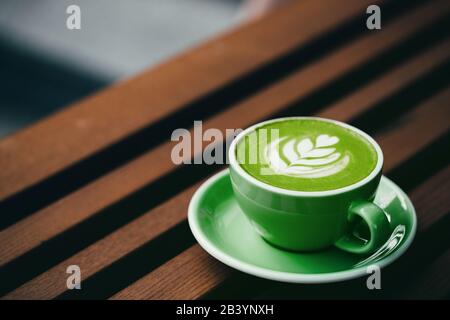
(162,218)
(427,199)
(96,122)
(88,200)
(426,116)
(166,283)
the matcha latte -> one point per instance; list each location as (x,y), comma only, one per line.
(307,154)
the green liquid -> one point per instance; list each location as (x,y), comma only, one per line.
(306,155)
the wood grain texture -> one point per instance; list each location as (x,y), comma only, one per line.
(166,282)
(100,120)
(125,180)
(416,130)
(435,107)
(428,198)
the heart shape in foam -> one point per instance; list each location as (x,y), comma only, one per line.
(325,140)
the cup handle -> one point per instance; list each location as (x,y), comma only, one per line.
(377,223)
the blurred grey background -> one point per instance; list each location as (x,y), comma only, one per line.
(45,66)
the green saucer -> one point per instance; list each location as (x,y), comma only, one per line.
(224,232)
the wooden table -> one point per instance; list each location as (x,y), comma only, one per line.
(94,185)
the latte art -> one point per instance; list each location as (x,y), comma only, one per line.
(306,154)
(305,159)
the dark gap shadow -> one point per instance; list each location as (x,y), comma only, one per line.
(75,176)
(116,215)
(137,263)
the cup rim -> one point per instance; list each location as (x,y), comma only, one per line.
(252,180)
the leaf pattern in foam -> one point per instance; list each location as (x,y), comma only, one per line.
(319,153)
(289,151)
(304,146)
(317,161)
(304,159)
(325,140)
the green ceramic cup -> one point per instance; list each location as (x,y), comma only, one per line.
(308,221)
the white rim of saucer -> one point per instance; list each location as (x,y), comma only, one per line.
(280,275)
(234,163)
